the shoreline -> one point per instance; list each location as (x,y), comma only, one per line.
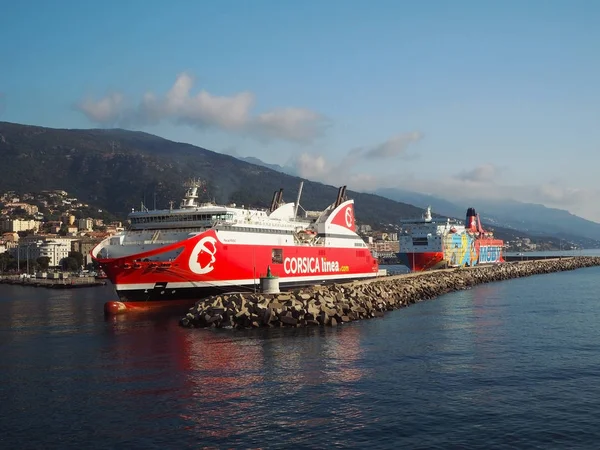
(64,283)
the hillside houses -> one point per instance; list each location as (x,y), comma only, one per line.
(48,228)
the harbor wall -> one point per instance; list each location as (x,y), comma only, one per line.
(59,283)
(341,303)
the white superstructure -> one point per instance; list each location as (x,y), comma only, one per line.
(278,226)
(425,234)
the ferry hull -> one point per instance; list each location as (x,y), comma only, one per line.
(163,296)
(206,266)
(417,262)
(460,250)
(427,244)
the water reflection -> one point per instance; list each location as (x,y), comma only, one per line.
(225,381)
(342,352)
(248,379)
(26,310)
(488,312)
(219,386)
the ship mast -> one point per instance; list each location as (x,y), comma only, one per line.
(191,195)
(427,217)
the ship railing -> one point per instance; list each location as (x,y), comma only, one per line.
(150,242)
(162,241)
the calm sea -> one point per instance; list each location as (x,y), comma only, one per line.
(514,364)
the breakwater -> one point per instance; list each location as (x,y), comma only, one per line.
(335,304)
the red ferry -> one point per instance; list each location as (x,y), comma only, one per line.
(202,249)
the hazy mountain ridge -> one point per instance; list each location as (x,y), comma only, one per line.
(533,219)
(276,167)
(522,218)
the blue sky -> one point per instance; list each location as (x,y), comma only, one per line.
(460,98)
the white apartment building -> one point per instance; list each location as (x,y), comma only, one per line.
(20,225)
(33,247)
(55,251)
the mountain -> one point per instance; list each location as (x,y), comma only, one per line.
(116,169)
(276,167)
(119,169)
(438,204)
(502,226)
(536,219)
(532,219)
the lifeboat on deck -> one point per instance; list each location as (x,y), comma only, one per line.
(306,235)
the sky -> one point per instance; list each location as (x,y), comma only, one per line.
(461,99)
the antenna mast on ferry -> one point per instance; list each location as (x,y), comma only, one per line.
(191,195)
(298,199)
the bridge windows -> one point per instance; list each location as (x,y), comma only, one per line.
(420,241)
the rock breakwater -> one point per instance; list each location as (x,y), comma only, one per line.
(336,304)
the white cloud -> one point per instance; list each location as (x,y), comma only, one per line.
(296,124)
(316,167)
(581,202)
(107,110)
(480,183)
(480,174)
(205,110)
(312,167)
(395,146)
(557,194)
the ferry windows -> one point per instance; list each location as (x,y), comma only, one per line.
(277,256)
(420,241)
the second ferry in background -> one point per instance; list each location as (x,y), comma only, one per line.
(431,244)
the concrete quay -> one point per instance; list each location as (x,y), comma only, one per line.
(66,283)
(336,304)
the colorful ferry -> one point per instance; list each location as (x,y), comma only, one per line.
(433,244)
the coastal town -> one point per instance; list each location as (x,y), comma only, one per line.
(49,230)
(54,230)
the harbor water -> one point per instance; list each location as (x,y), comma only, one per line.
(512,364)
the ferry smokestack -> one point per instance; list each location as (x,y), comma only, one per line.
(471,222)
(340,196)
(274,202)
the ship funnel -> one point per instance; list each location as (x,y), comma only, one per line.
(471,222)
(298,199)
(341,196)
(274,202)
